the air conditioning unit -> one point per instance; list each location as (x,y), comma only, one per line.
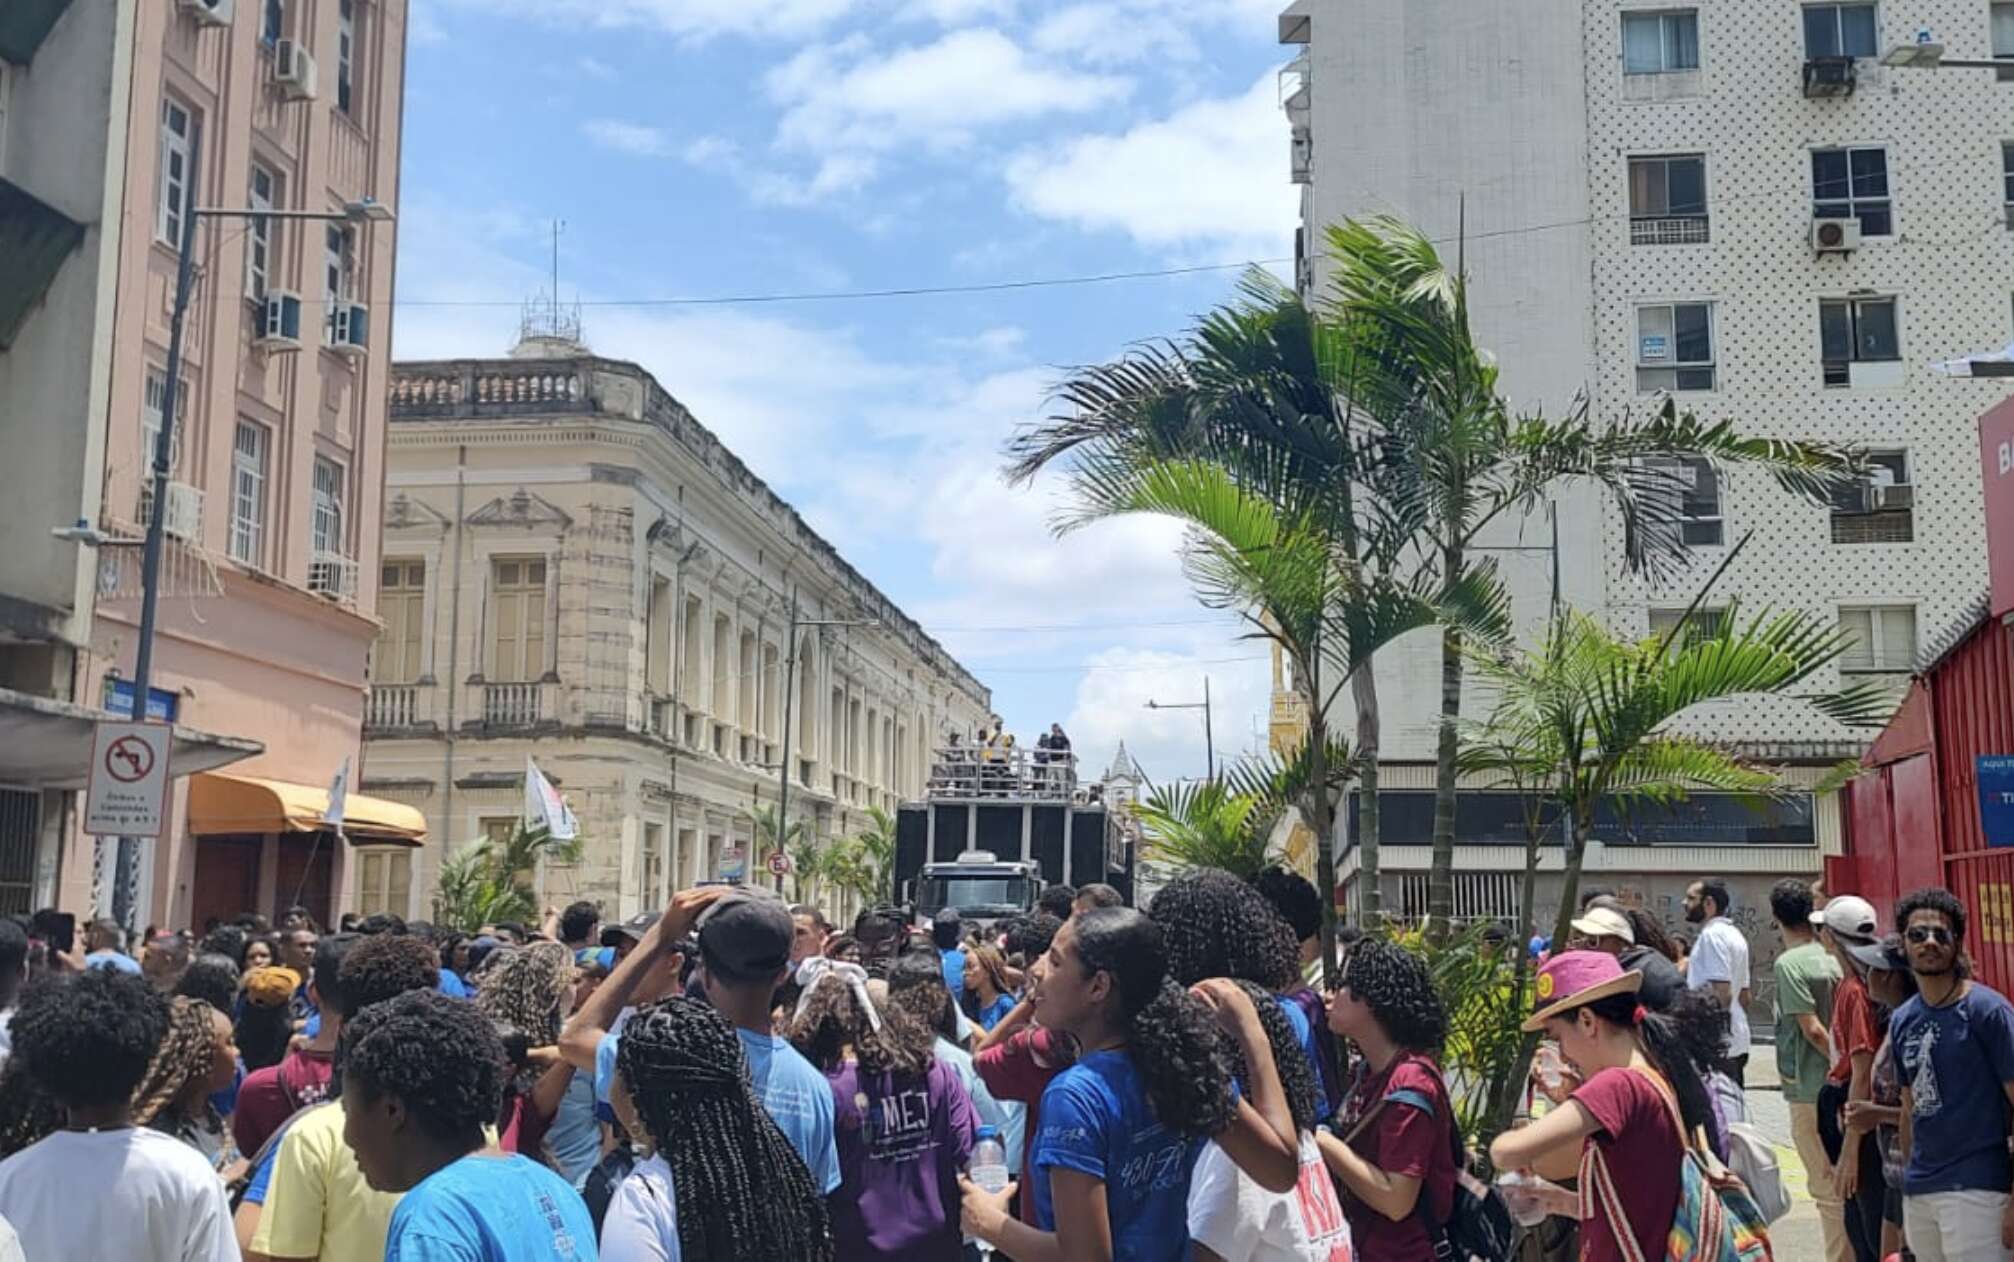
(294,70)
(350,328)
(1829,76)
(184,519)
(209,12)
(1835,236)
(1892,499)
(280,322)
(1303,155)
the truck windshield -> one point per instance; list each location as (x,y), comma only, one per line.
(976,895)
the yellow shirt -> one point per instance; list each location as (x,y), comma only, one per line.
(318,1204)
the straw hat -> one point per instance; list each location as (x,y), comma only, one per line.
(1573,979)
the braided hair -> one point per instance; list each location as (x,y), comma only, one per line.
(185,1056)
(1215,925)
(1170,1036)
(744,1194)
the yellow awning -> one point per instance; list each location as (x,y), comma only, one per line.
(246,804)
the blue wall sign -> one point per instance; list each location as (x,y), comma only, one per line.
(162,703)
(1996,799)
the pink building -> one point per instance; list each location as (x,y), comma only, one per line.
(267,612)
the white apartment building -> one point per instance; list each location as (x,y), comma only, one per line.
(1735,202)
(576,569)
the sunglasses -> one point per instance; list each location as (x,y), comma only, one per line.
(1929,933)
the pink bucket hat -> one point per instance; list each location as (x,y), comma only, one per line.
(1573,979)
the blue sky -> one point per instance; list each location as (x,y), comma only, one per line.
(728,147)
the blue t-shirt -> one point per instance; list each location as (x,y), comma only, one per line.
(1096,1120)
(1954,1061)
(996,1012)
(1304,1034)
(954,970)
(450,984)
(491,1209)
(262,1174)
(574,1136)
(118,961)
(797,1096)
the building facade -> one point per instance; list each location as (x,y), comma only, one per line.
(188,106)
(1738,207)
(578,571)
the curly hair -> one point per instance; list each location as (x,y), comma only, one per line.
(1056,900)
(185,1056)
(577,920)
(1297,1075)
(1215,925)
(1935,899)
(230,940)
(525,988)
(1171,1037)
(438,1056)
(916,986)
(1029,936)
(744,1194)
(834,1021)
(382,966)
(1294,897)
(88,1038)
(212,978)
(27,1112)
(1395,984)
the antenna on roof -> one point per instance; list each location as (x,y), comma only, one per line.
(548,326)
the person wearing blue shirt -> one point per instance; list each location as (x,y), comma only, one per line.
(1954,1056)
(744,950)
(422,1075)
(452,986)
(104,937)
(946,930)
(1123,1127)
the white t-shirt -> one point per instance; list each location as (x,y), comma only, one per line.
(1240,1221)
(1721,955)
(10,1243)
(642,1221)
(147,1197)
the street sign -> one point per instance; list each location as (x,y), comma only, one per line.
(128,796)
(779,863)
(1996,799)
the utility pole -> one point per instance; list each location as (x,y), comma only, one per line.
(1209,739)
(125,890)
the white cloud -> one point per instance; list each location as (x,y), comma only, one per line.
(595,68)
(691,19)
(850,97)
(957,12)
(1113,34)
(1211,176)
(422,24)
(637,139)
(1112,697)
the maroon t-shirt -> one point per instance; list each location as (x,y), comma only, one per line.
(1642,1149)
(1403,1140)
(1021,1069)
(271,1095)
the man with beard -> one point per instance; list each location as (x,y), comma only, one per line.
(1954,1053)
(1719,963)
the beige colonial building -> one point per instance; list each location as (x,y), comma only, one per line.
(575,569)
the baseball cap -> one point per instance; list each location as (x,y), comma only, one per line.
(1885,955)
(634,928)
(748,933)
(1850,917)
(1606,922)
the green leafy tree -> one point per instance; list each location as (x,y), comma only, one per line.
(488,880)
(1205,825)
(871,867)
(1459,459)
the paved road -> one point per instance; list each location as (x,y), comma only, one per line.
(1796,1234)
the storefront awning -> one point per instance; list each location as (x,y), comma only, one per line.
(46,744)
(246,804)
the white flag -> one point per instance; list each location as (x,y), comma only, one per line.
(339,795)
(544,806)
(1998,363)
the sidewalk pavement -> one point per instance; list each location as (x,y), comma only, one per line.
(1796,1234)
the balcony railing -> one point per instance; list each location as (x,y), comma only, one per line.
(1669,230)
(333,575)
(984,771)
(396,706)
(513,705)
(472,388)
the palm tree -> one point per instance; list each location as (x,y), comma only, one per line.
(1459,459)
(873,860)
(1593,715)
(796,842)
(1248,429)
(489,880)
(1205,825)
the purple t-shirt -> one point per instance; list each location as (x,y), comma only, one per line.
(902,1142)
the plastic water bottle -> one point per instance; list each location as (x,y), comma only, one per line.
(988,1170)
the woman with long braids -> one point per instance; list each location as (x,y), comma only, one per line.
(722,1184)
(196,1060)
(1395,1155)
(1232,1218)
(1123,1127)
(1618,1130)
(903,1122)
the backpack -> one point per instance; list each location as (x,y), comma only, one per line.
(1717,1219)
(1752,1158)
(1478,1227)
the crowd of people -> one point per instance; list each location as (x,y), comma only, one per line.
(734,1078)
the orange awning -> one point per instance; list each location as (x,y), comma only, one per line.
(221,803)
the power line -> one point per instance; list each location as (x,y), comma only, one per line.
(1224,621)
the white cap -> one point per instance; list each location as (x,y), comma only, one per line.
(1849,917)
(1605,922)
